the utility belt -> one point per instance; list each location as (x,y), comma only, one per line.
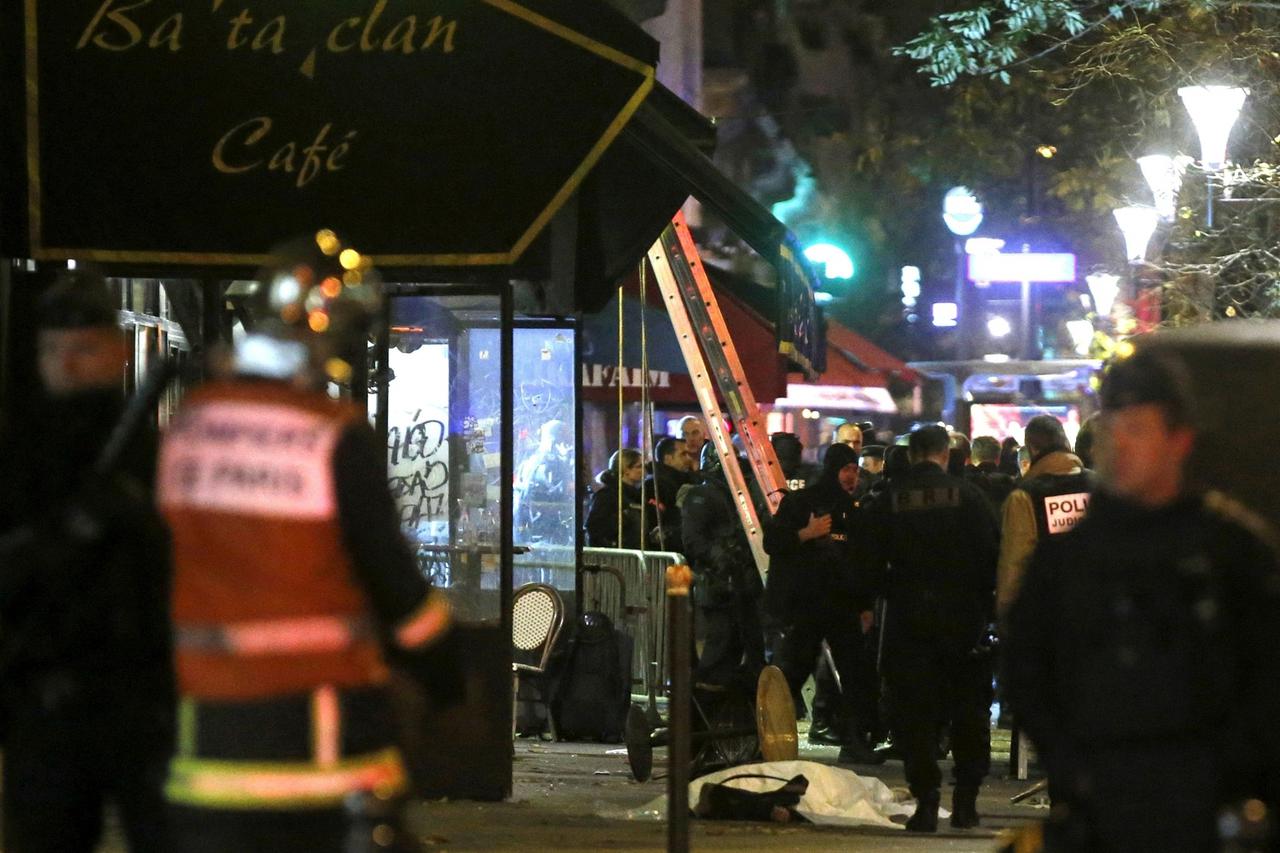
(300,751)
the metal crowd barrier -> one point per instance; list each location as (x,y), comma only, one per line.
(644,616)
(554,565)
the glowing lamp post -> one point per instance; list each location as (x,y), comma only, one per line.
(1213,110)
(1103,287)
(1081,332)
(1137,224)
(1165,180)
(962,212)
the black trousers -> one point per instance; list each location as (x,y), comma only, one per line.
(864,682)
(733,641)
(798,652)
(64,759)
(935,684)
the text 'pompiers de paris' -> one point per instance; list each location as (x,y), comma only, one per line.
(126,25)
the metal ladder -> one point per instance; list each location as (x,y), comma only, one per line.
(714,365)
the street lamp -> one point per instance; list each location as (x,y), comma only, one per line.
(1081,332)
(1165,179)
(1103,287)
(1214,110)
(1137,224)
(962,212)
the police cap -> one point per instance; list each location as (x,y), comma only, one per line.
(1151,376)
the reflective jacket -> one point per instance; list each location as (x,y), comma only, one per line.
(274,626)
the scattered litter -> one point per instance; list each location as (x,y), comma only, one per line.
(602,773)
(622,751)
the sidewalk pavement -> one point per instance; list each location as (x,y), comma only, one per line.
(561,787)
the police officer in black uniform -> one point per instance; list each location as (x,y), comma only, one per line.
(813,591)
(790,452)
(1143,653)
(933,550)
(85,639)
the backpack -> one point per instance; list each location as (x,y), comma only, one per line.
(595,686)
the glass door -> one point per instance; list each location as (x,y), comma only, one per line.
(441,396)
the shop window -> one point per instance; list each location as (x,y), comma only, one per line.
(441,403)
(544,498)
(160,318)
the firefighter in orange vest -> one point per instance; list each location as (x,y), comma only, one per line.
(291,577)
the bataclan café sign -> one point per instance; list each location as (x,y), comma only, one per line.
(430,132)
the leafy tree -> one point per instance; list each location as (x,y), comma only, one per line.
(1103,78)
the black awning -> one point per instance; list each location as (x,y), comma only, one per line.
(656,131)
(444,136)
(660,159)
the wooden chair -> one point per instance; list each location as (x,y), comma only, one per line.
(537,617)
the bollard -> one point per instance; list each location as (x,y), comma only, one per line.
(680,642)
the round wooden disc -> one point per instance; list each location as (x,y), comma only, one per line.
(776,717)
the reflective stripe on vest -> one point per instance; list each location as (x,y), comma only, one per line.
(210,783)
(276,636)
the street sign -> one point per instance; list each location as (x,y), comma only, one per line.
(1042,267)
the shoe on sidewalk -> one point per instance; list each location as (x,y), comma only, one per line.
(926,817)
(823,733)
(856,752)
(964,808)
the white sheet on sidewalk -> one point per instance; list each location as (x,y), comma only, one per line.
(835,797)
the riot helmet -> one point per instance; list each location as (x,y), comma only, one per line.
(312,309)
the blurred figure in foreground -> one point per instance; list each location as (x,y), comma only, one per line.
(292,581)
(1143,653)
(87,671)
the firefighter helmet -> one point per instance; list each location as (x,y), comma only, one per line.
(312,310)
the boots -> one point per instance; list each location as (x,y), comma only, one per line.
(964,807)
(855,751)
(926,817)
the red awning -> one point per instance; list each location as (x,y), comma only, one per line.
(862,360)
(853,362)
